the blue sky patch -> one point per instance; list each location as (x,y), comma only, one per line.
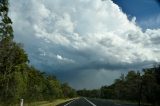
(143,10)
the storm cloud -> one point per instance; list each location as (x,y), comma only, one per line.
(87,43)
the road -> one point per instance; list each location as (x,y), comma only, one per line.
(91,102)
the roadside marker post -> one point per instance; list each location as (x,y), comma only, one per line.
(22,100)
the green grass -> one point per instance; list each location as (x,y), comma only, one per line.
(127,102)
(47,103)
(56,102)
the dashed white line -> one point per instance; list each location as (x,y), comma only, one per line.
(90,102)
(70,102)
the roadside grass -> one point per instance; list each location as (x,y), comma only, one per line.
(56,102)
(48,103)
(128,102)
(45,103)
(122,102)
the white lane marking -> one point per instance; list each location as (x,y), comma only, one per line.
(70,102)
(90,102)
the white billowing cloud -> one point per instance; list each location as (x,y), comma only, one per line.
(80,33)
(59,57)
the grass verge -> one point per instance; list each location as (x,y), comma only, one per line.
(128,102)
(56,102)
(45,103)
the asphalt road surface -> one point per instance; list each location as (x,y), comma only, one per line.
(91,102)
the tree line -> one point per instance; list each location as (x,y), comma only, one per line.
(17,78)
(20,80)
(135,86)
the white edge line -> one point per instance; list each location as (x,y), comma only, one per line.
(90,102)
(70,102)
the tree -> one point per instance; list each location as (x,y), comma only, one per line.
(6,30)
(12,57)
(151,87)
(35,85)
(68,91)
(120,88)
(53,89)
(107,92)
(17,78)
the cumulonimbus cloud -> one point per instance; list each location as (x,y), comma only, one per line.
(82,33)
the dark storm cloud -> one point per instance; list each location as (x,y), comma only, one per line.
(98,46)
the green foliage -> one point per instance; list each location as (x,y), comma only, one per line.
(107,92)
(52,88)
(95,93)
(125,86)
(151,86)
(68,91)
(18,79)
(131,87)
(12,56)
(35,84)
(5,23)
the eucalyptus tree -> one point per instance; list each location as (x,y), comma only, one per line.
(12,56)
(5,22)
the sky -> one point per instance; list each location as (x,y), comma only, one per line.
(88,43)
(147,12)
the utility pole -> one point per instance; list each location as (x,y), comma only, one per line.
(140,91)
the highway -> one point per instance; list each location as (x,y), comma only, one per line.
(91,102)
